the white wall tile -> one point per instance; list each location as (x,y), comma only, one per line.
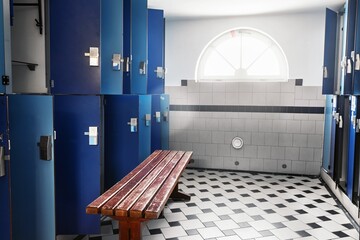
(237,125)
(245,98)
(193,87)
(259,87)
(298,92)
(199,124)
(315,141)
(211,150)
(232,87)
(219,87)
(206,87)
(193,99)
(224,124)
(292,153)
(258,138)
(218,115)
(218,137)
(205,114)
(298,167)
(224,150)
(298,116)
(193,136)
(231,115)
(287,99)
(185,146)
(308,127)
(277,152)
(252,125)
(206,99)
(317,117)
(309,92)
(217,162)
(287,87)
(256,115)
(199,149)
(212,124)
(270,165)
(273,87)
(259,99)
(245,87)
(219,99)
(244,164)
(246,137)
(317,103)
(231,98)
(319,127)
(293,126)
(306,154)
(250,151)
(181,136)
(264,152)
(271,139)
(272,99)
(284,166)
(229,137)
(257,165)
(285,139)
(265,125)
(236,152)
(229,163)
(318,152)
(312,168)
(205,136)
(302,103)
(286,116)
(273,116)
(300,140)
(279,126)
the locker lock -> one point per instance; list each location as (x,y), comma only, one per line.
(93,135)
(2,161)
(116,61)
(157,117)
(93,55)
(357,125)
(325,72)
(133,124)
(45,147)
(147,120)
(142,68)
(160,72)
(165,116)
(357,62)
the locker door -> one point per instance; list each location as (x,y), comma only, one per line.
(127,46)
(156,123)
(74,28)
(4,174)
(111,46)
(32,179)
(77,162)
(356,187)
(156,38)
(333,126)
(2,49)
(350,36)
(340,142)
(356,77)
(139,52)
(165,111)
(144,126)
(351,147)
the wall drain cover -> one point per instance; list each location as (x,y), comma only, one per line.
(237,142)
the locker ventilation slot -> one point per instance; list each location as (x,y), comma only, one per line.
(39,22)
(31,66)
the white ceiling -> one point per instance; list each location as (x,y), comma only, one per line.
(179,9)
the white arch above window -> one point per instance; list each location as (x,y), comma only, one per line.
(242,55)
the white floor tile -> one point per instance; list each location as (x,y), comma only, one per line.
(211,232)
(173,232)
(247,233)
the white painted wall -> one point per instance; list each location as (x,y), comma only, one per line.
(301,35)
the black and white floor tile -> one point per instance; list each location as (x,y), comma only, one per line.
(237,205)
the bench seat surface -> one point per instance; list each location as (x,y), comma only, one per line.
(144,192)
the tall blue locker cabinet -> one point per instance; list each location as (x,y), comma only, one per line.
(86,46)
(351,147)
(32,167)
(135,44)
(127,134)
(156,50)
(4,173)
(77,124)
(160,122)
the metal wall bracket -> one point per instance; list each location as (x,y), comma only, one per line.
(5,80)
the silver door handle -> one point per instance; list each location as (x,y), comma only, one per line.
(93,55)
(2,161)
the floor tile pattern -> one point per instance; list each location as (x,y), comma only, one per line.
(237,205)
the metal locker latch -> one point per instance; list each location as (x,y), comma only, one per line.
(160,72)
(158,117)
(142,68)
(127,64)
(353,121)
(147,120)
(93,54)
(93,135)
(336,117)
(325,72)
(133,124)
(357,62)
(165,116)
(116,62)
(340,122)
(357,125)
(2,161)
(348,66)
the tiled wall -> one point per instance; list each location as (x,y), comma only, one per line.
(276,139)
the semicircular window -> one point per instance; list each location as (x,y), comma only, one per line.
(242,55)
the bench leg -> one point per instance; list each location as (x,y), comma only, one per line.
(179,196)
(129,230)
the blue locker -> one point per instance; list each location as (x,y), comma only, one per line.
(136,26)
(327,134)
(77,122)
(156,45)
(349,48)
(329,80)
(333,126)
(340,123)
(86,46)
(160,122)
(32,173)
(127,134)
(351,147)
(2,48)
(4,173)
(356,76)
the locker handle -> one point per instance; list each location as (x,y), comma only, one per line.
(325,72)
(2,161)
(93,55)
(93,135)
(340,122)
(348,66)
(357,62)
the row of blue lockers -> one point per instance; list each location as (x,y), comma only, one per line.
(63,149)
(93,47)
(341,158)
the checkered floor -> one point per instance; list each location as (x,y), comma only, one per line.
(229,205)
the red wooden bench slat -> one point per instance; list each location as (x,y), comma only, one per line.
(138,208)
(94,207)
(109,206)
(122,210)
(160,199)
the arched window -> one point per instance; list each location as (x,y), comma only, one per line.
(242,55)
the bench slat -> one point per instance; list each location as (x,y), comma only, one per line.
(159,201)
(122,210)
(139,207)
(94,207)
(110,205)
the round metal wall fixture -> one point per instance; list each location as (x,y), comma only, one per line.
(237,142)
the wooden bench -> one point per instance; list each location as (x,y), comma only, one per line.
(142,194)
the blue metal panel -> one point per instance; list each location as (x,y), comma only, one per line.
(111,43)
(351,147)
(144,126)
(4,180)
(74,28)
(165,113)
(333,137)
(350,30)
(2,50)
(155,123)
(121,145)
(327,133)
(329,82)
(138,46)
(156,44)
(356,77)
(127,44)
(32,179)
(77,168)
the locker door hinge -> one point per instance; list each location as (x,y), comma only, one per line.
(52,83)
(5,80)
